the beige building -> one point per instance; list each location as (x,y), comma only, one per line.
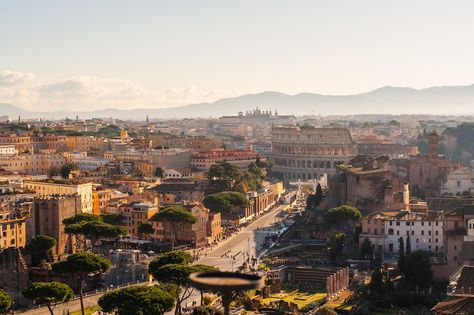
(33,142)
(83,143)
(13,226)
(136,213)
(64,187)
(32,164)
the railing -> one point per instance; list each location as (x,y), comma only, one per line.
(87,294)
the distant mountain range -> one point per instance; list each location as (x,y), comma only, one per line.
(448,100)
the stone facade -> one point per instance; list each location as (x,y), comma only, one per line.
(13,274)
(307,153)
(47,216)
(368,184)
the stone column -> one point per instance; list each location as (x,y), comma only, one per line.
(333,285)
(328,286)
(347,277)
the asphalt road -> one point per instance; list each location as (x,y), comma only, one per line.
(247,243)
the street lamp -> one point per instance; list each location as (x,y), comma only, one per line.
(227,283)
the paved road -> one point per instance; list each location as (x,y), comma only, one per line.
(71,306)
(247,242)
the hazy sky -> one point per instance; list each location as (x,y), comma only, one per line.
(97,54)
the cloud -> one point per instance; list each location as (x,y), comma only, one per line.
(90,93)
(12,78)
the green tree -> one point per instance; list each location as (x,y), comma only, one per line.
(226,201)
(145,229)
(53,171)
(224,173)
(81,217)
(206,310)
(366,249)
(82,265)
(49,293)
(401,256)
(418,269)
(112,218)
(138,300)
(175,216)
(177,257)
(408,249)
(91,226)
(335,244)
(175,269)
(159,172)
(6,302)
(376,282)
(356,232)
(40,248)
(318,195)
(66,169)
(341,214)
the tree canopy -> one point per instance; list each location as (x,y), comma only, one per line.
(314,200)
(112,218)
(335,244)
(92,227)
(226,176)
(138,300)
(173,257)
(174,268)
(145,229)
(342,213)
(174,215)
(418,270)
(81,217)
(81,265)
(206,310)
(366,249)
(401,256)
(6,301)
(376,282)
(226,201)
(66,169)
(40,247)
(50,293)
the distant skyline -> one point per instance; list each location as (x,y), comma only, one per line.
(58,55)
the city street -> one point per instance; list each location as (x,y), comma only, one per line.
(247,243)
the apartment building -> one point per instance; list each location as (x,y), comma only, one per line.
(64,187)
(13,224)
(32,164)
(34,142)
(136,213)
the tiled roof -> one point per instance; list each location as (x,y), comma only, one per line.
(455,306)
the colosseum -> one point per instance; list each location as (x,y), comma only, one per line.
(307,153)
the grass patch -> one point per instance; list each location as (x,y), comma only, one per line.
(301,299)
(89,311)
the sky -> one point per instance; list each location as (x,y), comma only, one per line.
(143,54)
